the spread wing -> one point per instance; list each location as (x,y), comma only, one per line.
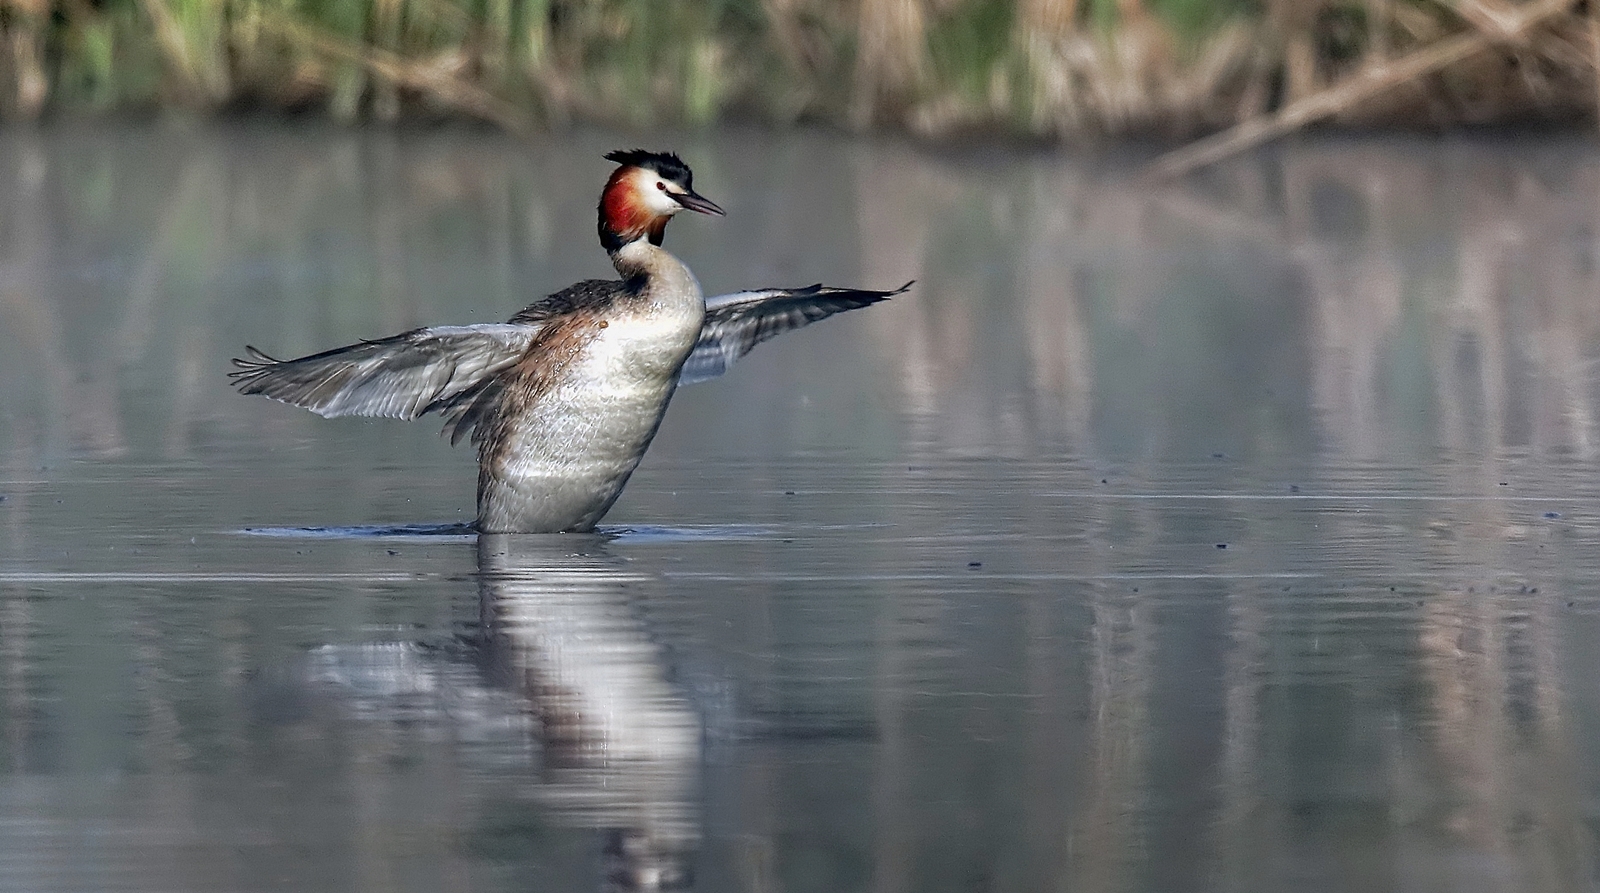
(400,377)
(736,323)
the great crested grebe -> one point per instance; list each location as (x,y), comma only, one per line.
(563,400)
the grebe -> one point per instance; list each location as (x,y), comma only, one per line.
(563,400)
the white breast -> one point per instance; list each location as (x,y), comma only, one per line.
(563,465)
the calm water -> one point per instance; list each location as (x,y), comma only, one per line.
(1237,535)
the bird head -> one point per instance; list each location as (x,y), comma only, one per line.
(643,193)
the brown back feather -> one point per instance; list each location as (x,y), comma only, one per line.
(590,294)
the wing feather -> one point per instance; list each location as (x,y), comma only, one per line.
(399,377)
(736,323)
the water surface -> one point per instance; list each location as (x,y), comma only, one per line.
(1232,535)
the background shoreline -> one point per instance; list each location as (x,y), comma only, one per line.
(1059,72)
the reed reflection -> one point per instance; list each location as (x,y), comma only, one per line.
(1391,310)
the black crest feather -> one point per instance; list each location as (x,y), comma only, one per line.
(668,165)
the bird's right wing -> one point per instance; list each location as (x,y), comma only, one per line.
(736,323)
(400,377)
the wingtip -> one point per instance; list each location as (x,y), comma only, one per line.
(886,295)
(254,358)
(249,368)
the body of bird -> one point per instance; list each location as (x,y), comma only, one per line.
(563,400)
(572,427)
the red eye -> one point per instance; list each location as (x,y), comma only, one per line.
(661,186)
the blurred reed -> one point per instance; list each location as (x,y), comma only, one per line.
(1057,69)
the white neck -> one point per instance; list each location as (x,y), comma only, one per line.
(667,280)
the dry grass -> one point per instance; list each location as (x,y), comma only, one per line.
(1060,69)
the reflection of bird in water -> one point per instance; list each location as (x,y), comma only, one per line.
(564,660)
(622,748)
(563,400)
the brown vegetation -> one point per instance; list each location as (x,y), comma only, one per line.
(1054,69)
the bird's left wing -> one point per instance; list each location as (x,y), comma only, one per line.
(736,323)
(400,377)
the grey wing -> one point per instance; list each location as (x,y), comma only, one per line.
(400,377)
(736,323)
